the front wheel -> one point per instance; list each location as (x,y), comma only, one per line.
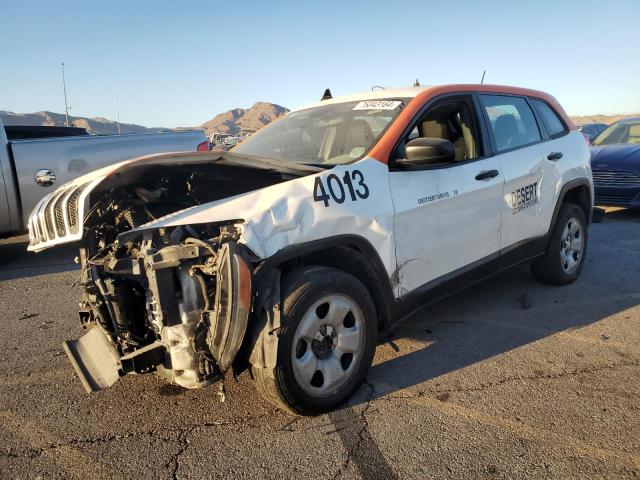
(563,260)
(326,343)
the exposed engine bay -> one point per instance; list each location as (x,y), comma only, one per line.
(171,300)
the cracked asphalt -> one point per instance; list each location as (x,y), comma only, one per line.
(509,379)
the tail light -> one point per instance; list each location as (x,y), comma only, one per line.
(204,146)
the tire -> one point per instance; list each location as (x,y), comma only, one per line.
(563,261)
(316,373)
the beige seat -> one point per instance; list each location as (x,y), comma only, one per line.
(358,136)
(634,133)
(471,150)
(436,128)
(439,128)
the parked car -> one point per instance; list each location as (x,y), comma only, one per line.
(615,161)
(592,130)
(34,159)
(292,253)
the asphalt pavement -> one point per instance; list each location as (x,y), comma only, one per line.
(508,379)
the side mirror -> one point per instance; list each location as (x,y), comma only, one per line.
(426,151)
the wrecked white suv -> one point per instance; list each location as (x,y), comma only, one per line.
(290,255)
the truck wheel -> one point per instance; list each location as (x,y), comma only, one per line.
(567,248)
(326,342)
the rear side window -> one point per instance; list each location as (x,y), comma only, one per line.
(549,117)
(512,121)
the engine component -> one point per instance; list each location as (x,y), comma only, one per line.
(168,302)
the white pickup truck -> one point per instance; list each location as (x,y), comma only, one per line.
(29,168)
(290,254)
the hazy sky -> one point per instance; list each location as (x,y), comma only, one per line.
(177,63)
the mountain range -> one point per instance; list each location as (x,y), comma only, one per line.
(95,126)
(244,119)
(232,122)
(608,119)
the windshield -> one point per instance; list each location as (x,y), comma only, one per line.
(623,132)
(331,134)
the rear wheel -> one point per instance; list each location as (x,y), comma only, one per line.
(562,263)
(326,343)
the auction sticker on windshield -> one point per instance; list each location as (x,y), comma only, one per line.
(377,105)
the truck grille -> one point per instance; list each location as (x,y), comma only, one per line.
(57,216)
(619,179)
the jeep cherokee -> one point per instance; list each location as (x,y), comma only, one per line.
(291,254)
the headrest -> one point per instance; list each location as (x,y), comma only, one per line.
(435,129)
(507,124)
(505,129)
(361,131)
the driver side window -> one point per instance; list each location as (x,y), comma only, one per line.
(453,120)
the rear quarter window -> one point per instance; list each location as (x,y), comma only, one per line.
(550,119)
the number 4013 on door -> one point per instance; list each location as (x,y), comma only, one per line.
(355,187)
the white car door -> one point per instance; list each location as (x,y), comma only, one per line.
(528,164)
(446,217)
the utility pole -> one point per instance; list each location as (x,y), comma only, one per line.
(66,105)
(118,113)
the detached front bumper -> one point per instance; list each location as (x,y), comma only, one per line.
(200,332)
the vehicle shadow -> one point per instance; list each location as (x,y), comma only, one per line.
(16,262)
(490,319)
(621,214)
(502,314)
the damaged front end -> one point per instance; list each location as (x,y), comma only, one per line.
(170,299)
(180,310)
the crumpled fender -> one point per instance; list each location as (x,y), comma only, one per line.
(264,327)
(289,213)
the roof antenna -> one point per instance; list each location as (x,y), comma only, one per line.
(416,83)
(482,81)
(327,95)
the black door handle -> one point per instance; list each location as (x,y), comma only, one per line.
(553,156)
(487,174)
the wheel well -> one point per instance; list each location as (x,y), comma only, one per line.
(580,196)
(351,259)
